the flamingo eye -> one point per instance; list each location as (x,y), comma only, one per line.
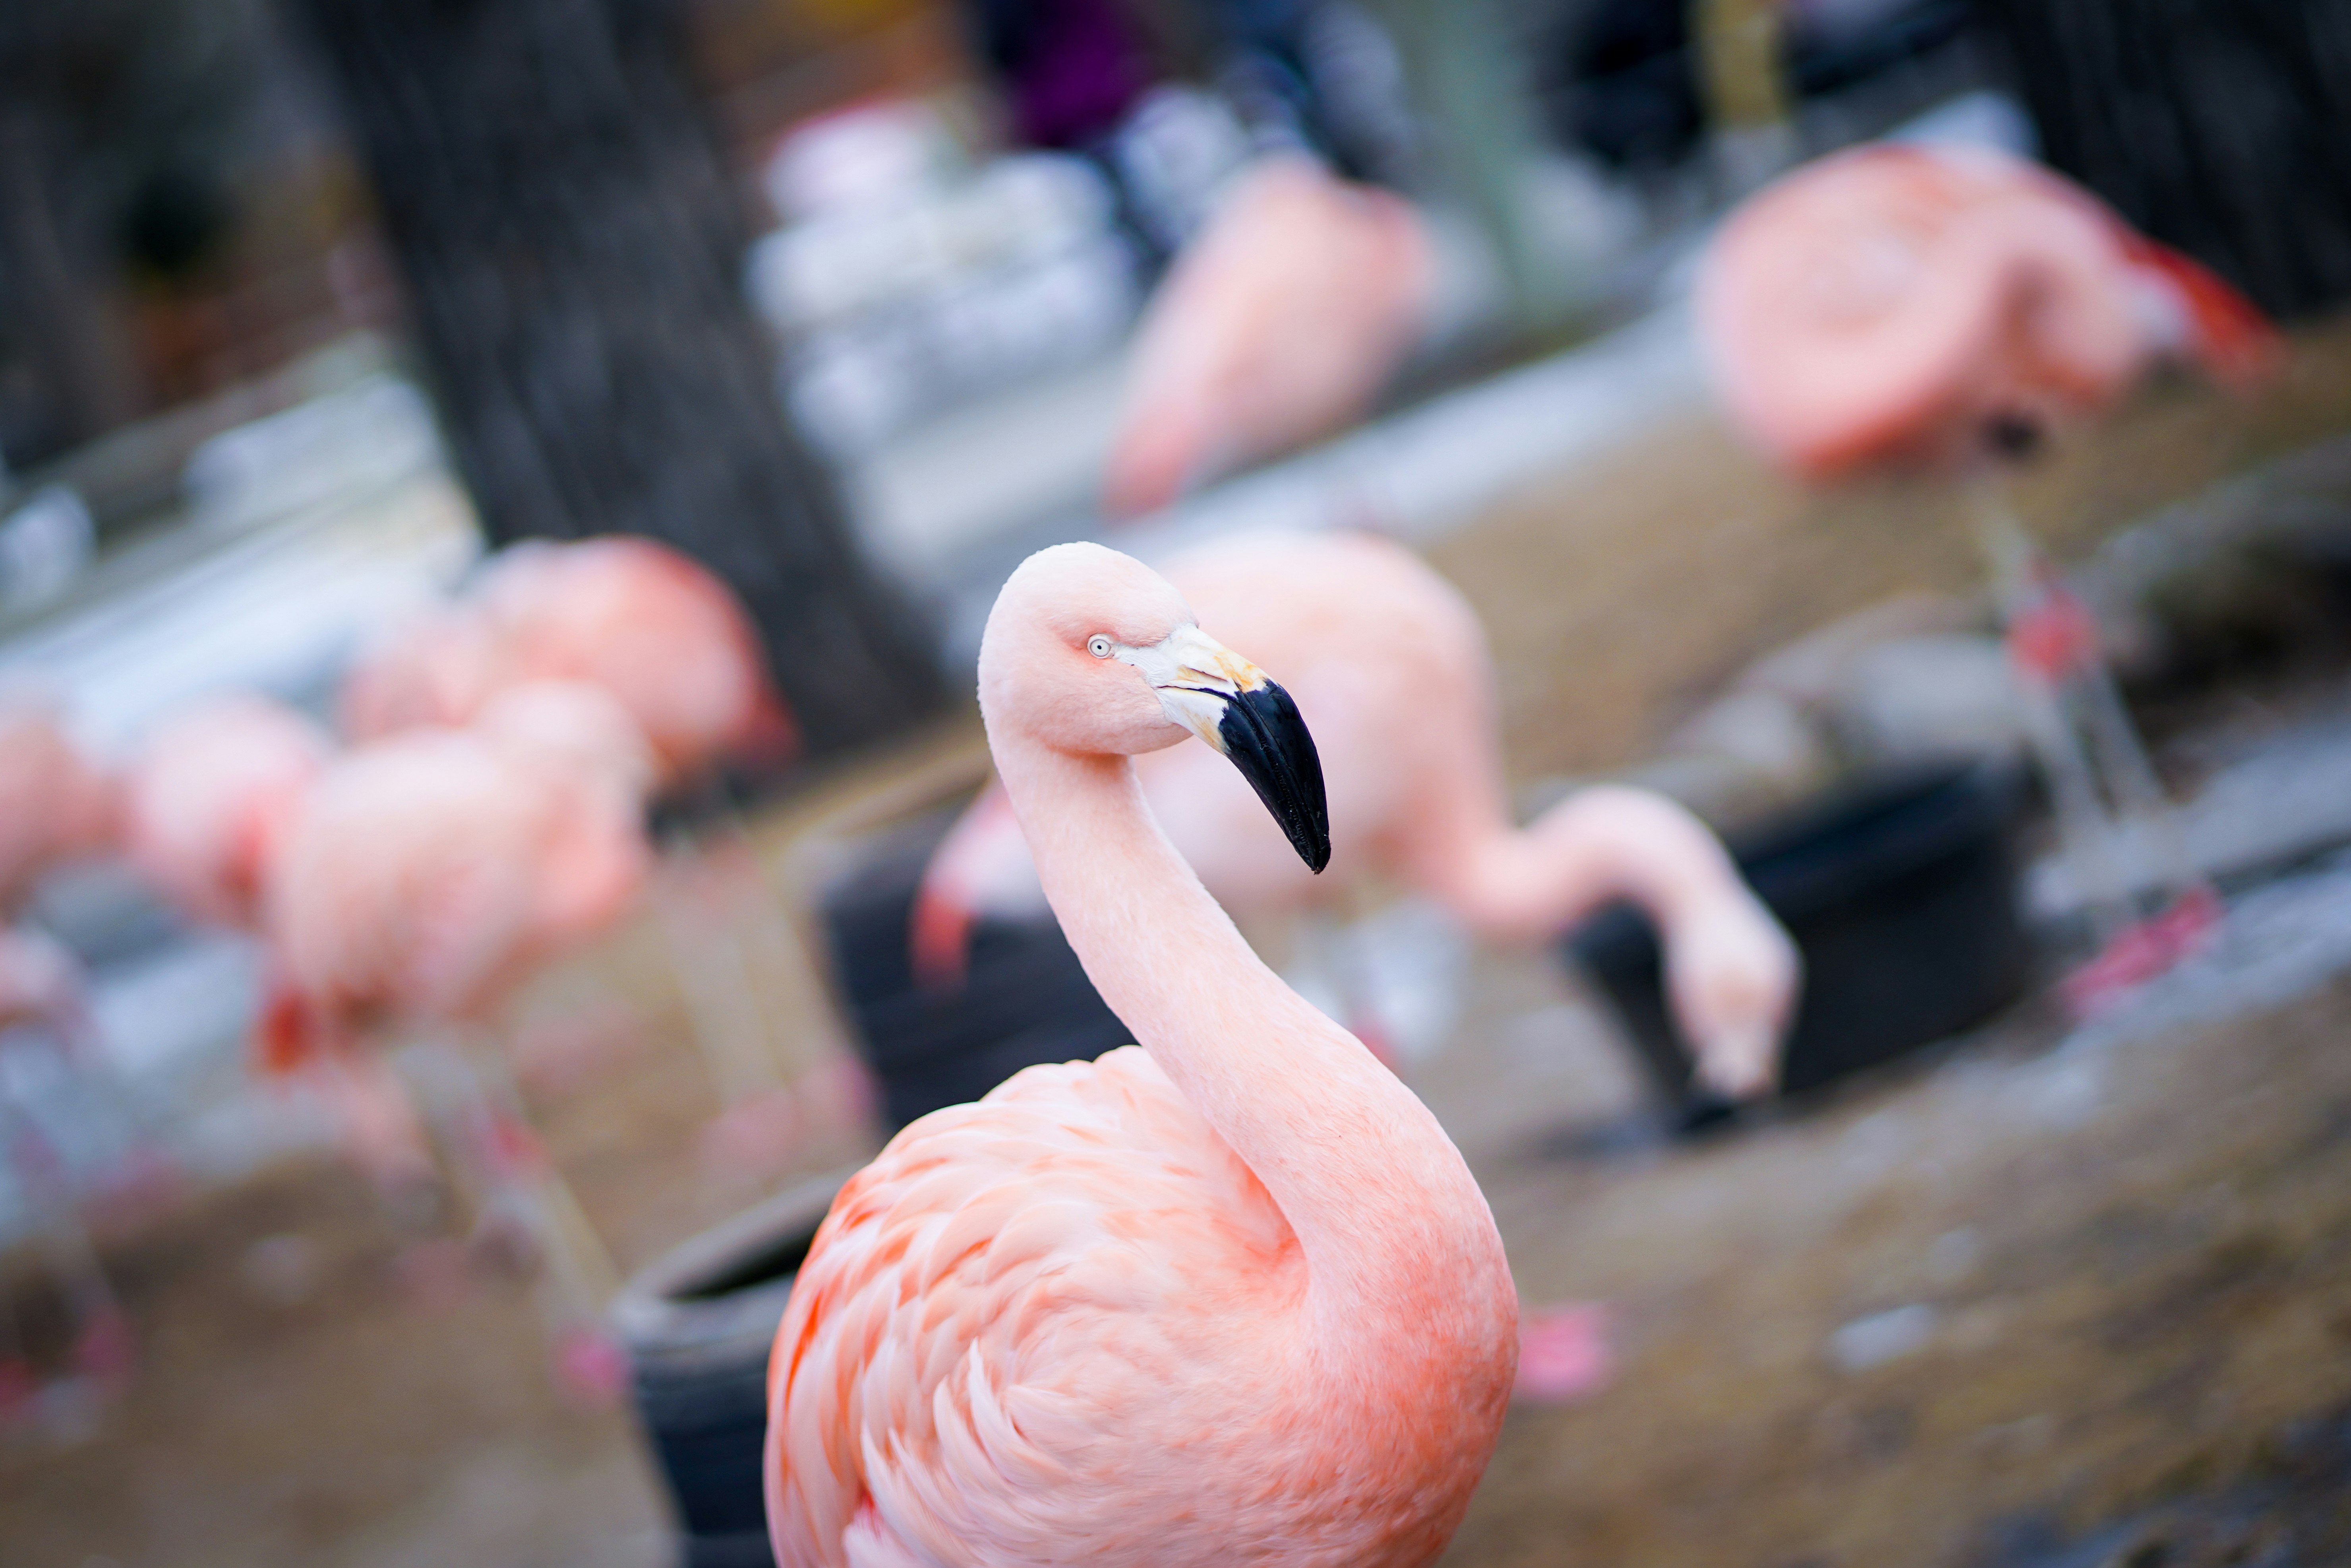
(1098,645)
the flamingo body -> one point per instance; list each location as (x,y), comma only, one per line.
(1231,1297)
(426,874)
(1390,667)
(1281,323)
(649,625)
(652,627)
(207,799)
(1891,303)
(56,804)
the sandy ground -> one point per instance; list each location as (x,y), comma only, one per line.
(2119,1260)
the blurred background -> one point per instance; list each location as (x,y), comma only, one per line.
(345,1195)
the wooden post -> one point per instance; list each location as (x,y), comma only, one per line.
(558,202)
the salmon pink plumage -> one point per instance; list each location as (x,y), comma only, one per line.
(208,797)
(1229,1296)
(1893,302)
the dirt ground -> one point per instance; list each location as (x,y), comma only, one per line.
(2116,1265)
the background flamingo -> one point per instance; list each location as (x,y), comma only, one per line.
(1232,1294)
(56,804)
(424,878)
(207,801)
(1913,304)
(210,795)
(1946,307)
(1281,322)
(1391,669)
(652,627)
(666,640)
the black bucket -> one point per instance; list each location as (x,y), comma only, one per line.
(697,1326)
(1024,1001)
(1901,891)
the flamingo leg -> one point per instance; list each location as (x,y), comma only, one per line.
(522,1200)
(2149,903)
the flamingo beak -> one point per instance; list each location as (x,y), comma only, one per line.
(1240,713)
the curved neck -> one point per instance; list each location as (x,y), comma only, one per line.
(1602,843)
(1396,1235)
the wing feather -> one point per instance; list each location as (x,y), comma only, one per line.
(996,1310)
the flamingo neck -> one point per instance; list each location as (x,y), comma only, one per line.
(1601,844)
(1400,1253)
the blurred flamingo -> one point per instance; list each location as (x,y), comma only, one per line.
(670,643)
(1281,323)
(652,627)
(210,795)
(424,878)
(55,803)
(1391,669)
(434,669)
(44,1006)
(1229,1296)
(1902,304)
(207,800)
(1947,307)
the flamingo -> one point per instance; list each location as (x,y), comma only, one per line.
(208,797)
(1916,304)
(432,669)
(423,875)
(650,626)
(1278,324)
(55,803)
(422,879)
(1943,308)
(1228,1295)
(1390,667)
(654,628)
(206,802)
(670,643)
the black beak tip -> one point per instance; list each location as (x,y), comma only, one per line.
(1268,741)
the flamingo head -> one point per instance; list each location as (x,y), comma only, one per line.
(1734,974)
(1092,653)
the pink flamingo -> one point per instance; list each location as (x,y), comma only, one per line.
(206,802)
(1391,668)
(1911,306)
(425,876)
(669,642)
(422,879)
(1279,324)
(433,670)
(1230,1295)
(43,998)
(208,797)
(654,628)
(56,804)
(650,626)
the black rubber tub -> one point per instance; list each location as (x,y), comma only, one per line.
(697,1326)
(1902,892)
(1025,1000)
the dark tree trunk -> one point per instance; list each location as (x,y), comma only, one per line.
(2222,127)
(556,198)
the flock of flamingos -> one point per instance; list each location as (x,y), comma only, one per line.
(1230,1294)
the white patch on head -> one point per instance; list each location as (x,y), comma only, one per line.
(1193,675)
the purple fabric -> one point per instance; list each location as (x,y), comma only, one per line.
(1083,69)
